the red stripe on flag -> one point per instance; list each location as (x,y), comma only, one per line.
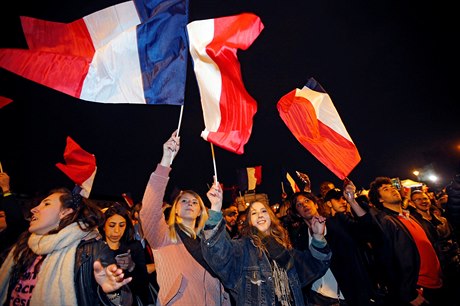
(237,107)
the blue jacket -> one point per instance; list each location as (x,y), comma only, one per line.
(248,276)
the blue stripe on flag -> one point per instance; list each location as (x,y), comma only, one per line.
(163,50)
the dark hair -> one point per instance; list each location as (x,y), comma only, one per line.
(292,211)
(119,209)
(85,213)
(374,194)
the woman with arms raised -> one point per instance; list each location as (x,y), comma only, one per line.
(262,268)
(182,274)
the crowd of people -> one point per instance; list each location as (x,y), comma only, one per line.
(387,246)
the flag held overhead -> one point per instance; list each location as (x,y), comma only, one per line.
(132,52)
(80,166)
(228,108)
(313,119)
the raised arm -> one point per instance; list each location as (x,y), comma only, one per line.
(151,214)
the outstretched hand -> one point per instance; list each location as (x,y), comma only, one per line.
(170,149)
(110,278)
(215,196)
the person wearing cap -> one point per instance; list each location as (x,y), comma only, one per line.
(347,238)
(230,215)
(338,284)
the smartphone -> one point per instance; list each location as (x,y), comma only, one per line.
(396,183)
(122,256)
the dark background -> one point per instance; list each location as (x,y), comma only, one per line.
(389,67)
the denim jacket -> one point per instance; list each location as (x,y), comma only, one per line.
(249,276)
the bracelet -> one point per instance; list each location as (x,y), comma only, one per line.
(113,296)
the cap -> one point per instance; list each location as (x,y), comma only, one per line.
(335,193)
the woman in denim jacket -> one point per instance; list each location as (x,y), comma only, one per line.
(261,268)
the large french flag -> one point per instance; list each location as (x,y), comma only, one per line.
(313,119)
(132,52)
(80,166)
(228,109)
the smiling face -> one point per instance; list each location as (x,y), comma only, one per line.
(114,229)
(259,217)
(421,201)
(47,215)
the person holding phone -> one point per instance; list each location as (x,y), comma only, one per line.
(182,273)
(61,259)
(118,232)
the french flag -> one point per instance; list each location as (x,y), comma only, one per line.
(132,52)
(80,166)
(314,121)
(228,109)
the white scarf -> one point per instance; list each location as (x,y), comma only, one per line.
(55,283)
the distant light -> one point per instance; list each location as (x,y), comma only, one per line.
(433,178)
(416,172)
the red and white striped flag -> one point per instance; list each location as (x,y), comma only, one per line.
(313,119)
(228,108)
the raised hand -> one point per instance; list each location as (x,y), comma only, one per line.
(170,149)
(215,196)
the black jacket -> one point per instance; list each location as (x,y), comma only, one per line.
(397,256)
(87,289)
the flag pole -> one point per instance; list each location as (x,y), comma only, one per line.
(1,168)
(178,128)
(282,187)
(214,163)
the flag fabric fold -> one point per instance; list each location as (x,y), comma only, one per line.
(249,178)
(80,166)
(313,119)
(132,52)
(228,109)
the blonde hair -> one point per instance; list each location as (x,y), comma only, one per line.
(174,219)
(276,230)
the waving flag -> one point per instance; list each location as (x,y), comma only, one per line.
(249,178)
(4,101)
(132,52)
(80,166)
(288,180)
(313,119)
(228,108)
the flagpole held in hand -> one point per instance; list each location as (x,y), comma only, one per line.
(214,162)
(178,128)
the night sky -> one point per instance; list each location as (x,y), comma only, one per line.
(388,67)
